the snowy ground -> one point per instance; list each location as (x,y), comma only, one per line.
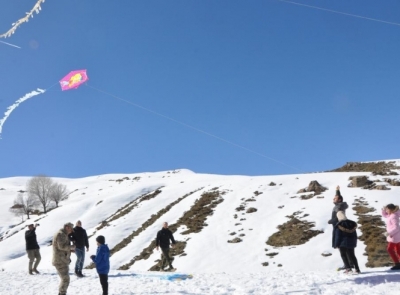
(218,267)
(378,281)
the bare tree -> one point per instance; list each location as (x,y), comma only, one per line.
(23,205)
(58,193)
(39,187)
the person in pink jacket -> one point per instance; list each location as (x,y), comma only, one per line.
(392,215)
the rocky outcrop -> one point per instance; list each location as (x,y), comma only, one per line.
(315,187)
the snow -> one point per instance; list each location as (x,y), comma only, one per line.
(217,267)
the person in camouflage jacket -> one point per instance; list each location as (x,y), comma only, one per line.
(61,255)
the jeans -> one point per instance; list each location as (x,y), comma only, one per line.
(80,258)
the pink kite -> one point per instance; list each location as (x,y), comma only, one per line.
(73,80)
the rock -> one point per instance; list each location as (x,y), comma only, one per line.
(235,240)
(315,187)
(251,210)
(359,181)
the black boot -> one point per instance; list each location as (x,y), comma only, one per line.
(80,274)
(396,266)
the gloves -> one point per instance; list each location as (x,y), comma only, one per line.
(92,257)
(386,234)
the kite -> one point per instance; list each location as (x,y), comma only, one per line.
(73,80)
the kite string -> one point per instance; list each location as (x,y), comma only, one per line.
(192,127)
(339,12)
(51,86)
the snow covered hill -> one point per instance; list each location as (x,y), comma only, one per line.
(222,224)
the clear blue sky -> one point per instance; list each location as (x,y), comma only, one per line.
(309,88)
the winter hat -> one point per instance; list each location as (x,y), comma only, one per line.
(391,207)
(101,240)
(341,216)
(69,224)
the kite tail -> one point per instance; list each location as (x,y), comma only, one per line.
(16,104)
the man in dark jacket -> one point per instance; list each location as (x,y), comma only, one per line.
(345,238)
(339,206)
(80,239)
(163,240)
(32,248)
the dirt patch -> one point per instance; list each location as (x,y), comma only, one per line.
(128,208)
(372,229)
(125,209)
(194,220)
(145,225)
(242,207)
(294,232)
(377,168)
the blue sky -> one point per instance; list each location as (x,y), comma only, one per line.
(307,88)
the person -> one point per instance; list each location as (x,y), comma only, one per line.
(61,255)
(80,239)
(102,261)
(345,238)
(339,205)
(163,240)
(32,248)
(392,215)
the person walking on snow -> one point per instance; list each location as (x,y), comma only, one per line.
(61,255)
(102,261)
(80,240)
(392,215)
(345,238)
(32,248)
(163,240)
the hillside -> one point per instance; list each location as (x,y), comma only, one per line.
(223,224)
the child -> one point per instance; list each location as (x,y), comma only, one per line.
(392,215)
(345,238)
(102,261)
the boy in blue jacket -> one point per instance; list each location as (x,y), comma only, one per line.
(102,261)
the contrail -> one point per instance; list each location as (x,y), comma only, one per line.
(339,12)
(10,44)
(16,104)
